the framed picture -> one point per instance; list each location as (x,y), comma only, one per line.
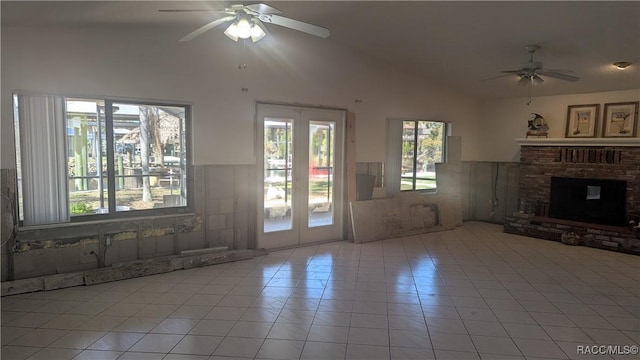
(620,119)
(582,120)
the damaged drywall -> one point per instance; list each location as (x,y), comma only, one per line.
(219,190)
(127,270)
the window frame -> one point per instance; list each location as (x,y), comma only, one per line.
(109,101)
(394,156)
(416,134)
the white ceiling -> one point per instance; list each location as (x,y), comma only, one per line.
(452,44)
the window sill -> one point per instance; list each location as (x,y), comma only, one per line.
(420,191)
(103,222)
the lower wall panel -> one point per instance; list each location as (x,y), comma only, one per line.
(225,193)
(490,190)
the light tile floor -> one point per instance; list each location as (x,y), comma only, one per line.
(470,293)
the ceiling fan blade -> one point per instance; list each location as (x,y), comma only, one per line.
(296,25)
(206,28)
(498,77)
(187,10)
(262,9)
(512,71)
(558,74)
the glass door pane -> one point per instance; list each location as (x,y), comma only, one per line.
(278,170)
(321,172)
(300,167)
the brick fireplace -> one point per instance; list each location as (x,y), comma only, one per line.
(597,159)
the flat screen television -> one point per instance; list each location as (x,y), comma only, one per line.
(595,201)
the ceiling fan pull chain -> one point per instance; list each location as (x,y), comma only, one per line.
(243,78)
(242,65)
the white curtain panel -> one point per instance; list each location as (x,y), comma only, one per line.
(393,167)
(43,157)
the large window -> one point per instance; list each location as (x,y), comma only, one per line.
(116,157)
(413,149)
(422,148)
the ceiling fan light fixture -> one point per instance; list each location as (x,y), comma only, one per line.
(537,80)
(232,31)
(621,65)
(243,28)
(239,29)
(257,31)
(524,80)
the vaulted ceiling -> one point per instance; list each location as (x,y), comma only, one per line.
(452,44)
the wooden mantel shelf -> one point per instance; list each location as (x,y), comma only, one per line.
(579,141)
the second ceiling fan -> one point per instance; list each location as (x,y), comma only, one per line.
(530,73)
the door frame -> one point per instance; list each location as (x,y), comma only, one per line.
(339,194)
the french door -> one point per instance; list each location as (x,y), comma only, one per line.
(300,160)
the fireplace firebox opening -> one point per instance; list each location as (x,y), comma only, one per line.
(597,201)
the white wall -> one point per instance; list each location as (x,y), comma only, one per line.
(503,120)
(289,67)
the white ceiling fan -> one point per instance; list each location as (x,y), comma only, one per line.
(249,20)
(530,73)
